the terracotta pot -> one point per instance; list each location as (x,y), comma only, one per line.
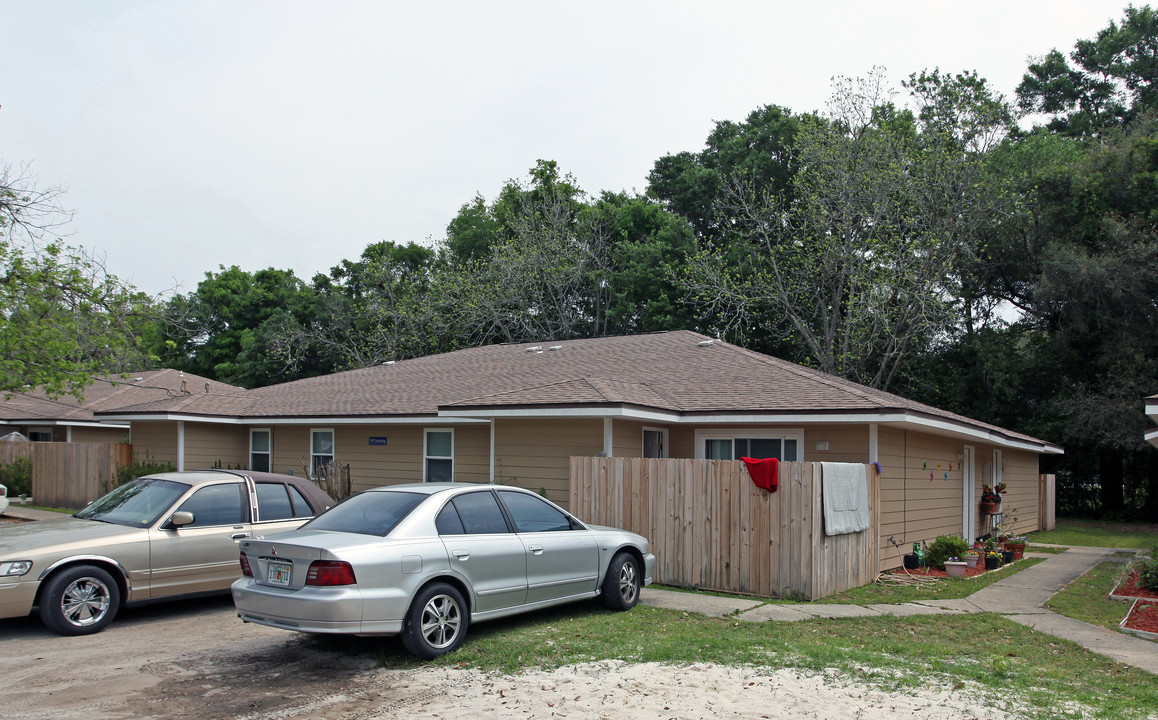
(990,508)
(955,569)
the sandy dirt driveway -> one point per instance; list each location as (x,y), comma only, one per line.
(194,659)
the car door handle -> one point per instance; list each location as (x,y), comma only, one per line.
(536,549)
(238,536)
(460,554)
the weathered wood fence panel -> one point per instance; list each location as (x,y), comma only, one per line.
(711,527)
(69,475)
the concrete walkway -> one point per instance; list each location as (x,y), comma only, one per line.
(1019,597)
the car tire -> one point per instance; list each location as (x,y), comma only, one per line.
(79,600)
(436,622)
(622,582)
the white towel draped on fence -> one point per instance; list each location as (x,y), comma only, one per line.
(845,498)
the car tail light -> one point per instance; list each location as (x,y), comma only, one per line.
(245,569)
(330,572)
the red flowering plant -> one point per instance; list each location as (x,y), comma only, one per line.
(992,494)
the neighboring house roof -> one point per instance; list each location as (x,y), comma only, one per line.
(108,392)
(675,377)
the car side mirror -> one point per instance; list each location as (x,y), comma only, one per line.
(181,518)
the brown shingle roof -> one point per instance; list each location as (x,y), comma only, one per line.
(109,392)
(681,372)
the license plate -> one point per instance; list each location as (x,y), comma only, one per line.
(279,573)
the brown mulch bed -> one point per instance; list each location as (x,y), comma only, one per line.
(1144,617)
(930,572)
(1131,588)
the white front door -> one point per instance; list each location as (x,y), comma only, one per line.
(968,495)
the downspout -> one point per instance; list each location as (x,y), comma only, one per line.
(68,433)
(492,451)
(874,451)
(180,446)
(608,449)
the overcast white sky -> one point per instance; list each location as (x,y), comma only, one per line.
(293,134)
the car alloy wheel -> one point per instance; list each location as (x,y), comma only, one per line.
(620,589)
(441,620)
(79,600)
(436,622)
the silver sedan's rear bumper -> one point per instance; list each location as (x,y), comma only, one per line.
(648,568)
(334,610)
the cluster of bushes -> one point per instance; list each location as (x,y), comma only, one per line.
(17,477)
(943,548)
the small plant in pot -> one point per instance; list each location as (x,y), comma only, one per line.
(992,560)
(991,498)
(944,548)
(955,567)
(971,558)
(1017,545)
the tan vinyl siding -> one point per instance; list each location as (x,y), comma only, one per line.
(97,435)
(207,446)
(682,442)
(913,507)
(1020,473)
(291,449)
(534,454)
(155,442)
(845,443)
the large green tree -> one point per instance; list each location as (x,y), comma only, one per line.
(859,263)
(63,317)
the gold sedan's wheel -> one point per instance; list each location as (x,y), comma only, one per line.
(79,600)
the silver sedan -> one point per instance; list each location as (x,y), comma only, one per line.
(425,561)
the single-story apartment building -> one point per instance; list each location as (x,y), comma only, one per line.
(515,413)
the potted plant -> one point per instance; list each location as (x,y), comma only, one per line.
(955,568)
(1017,545)
(992,560)
(991,498)
(971,558)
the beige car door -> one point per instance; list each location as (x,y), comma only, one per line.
(202,555)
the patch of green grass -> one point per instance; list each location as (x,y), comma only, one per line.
(1088,598)
(1098,533)
(943,589)
(1013,666)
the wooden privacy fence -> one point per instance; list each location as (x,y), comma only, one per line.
(710,527)
(69,475)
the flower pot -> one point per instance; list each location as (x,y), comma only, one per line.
(971,561)
(992,563)
(1017,554)
(990,508)
(1006,556)
(955,569)
(911,561)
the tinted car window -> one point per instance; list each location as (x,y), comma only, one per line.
(480,513)
(448,521)
(533,514)
(369,513)
(216,505)
(273,503)
(301,507)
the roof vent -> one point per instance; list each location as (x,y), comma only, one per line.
(555,347)
(537,348)
(705,343)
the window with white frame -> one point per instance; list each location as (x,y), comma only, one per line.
(438,456)
(734,444)
(260,449)
(654,442)
(321,449)
(40,434)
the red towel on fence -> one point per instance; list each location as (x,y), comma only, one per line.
(763,472)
